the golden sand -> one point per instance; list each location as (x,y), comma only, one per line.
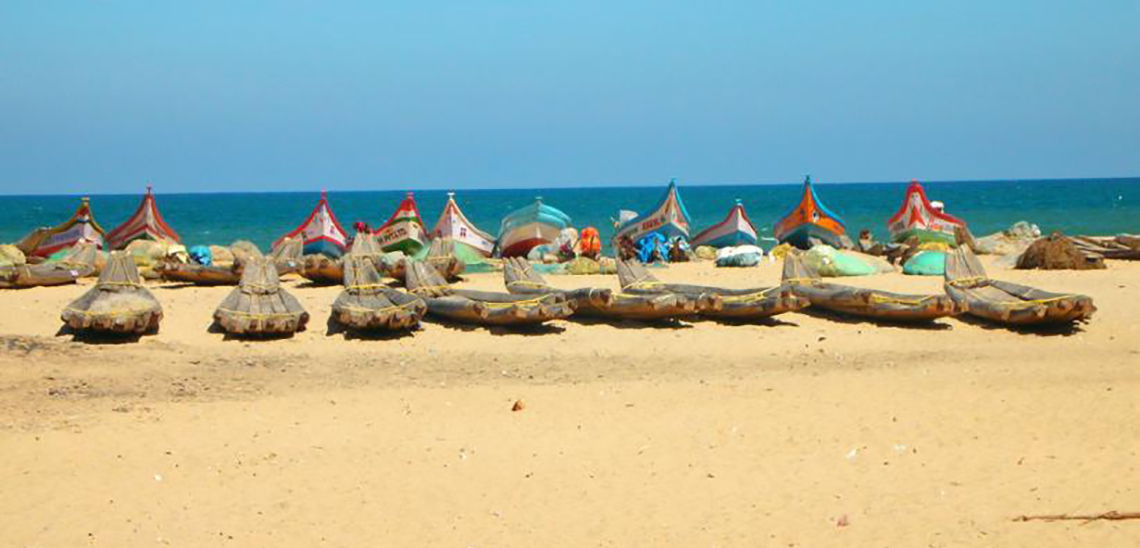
(804,431)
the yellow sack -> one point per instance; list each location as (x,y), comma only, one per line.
(935,246)
(781,251)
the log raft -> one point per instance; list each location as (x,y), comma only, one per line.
(866,303)
(117,304)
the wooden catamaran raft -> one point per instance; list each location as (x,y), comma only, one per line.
(1112,247)
(1005,302)
(287,254)
(482,307)
(368,304)
(867,303)
(521,279)
(79,262)
(715,302)
(440,255)
(259,305)
(118,303)
(636,280)
(322,269)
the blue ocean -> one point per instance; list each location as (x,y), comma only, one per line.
(1074,206)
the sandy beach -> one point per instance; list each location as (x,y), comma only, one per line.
(808,430)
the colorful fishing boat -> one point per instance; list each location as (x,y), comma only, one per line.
(534,225)
(669,218)
(321,233)
(453,224)
(81,227)
(736,229)
(145,224)
(404,231)
(810,220)
(919,217)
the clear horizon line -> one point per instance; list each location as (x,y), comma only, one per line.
(571,187)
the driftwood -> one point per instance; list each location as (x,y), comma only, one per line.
(79,262)
(521,279)
(482,307)
(366,303)
(867,303)
(259,306)
(322,270)
(1105,516)
(118,303)
(716,302)
(286,255)
(1008,303)
(1056,252)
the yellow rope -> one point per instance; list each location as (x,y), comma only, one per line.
(430,288)
(882,299)
(527,283)
(643,283)
(1036,302)
(801,280)
(261,316)
(364,286)
(759,295)
(964,282)
(110,314)
(119,284)
(652,297)
(529,303)
(378,310)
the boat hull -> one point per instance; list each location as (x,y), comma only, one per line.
(801,236)
(534,225)
(924,236)
(521,239)
(323,246)
(669,218)
(407,237)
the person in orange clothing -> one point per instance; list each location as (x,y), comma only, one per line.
(590,243)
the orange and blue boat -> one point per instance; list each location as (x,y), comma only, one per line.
(810,220)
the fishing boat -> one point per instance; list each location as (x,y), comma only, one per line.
(259,305)
(669,218)
(736,229)
(78,262)
(366,303)
(321,233)
(453,224)
(810,220)
(521,279)
(883,306)
(715,302)
(118,303)
(482,307)
(404,230)
(920,218)
(1008,303)
(534,225)
(81,227)
(145,224)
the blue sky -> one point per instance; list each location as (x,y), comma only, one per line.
(234,95)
